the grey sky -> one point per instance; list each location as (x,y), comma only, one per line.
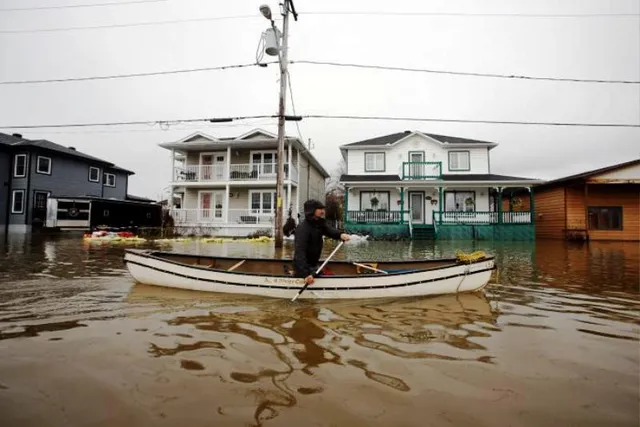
(594,47)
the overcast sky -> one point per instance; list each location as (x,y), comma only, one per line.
(585,47)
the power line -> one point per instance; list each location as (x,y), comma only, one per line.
(498,122)
(133,24)
(481,15)
(126,76)
(324,116)
(73,6)
(308,62)
(462,73)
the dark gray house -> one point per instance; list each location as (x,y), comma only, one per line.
(32,171)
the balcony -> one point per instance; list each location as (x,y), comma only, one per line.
(421,170)
(237,172)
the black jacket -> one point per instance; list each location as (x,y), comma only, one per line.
(308,244)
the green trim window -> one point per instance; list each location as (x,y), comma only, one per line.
(374,162)
(459,201)
(605,218)
(374,200)
(459,161)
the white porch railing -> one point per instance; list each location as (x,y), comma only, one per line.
(217,216)
(251,217)
(484,217)
(237,172)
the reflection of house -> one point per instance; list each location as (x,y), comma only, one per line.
(602,204)
(33,172)
(229,184)
(427,186)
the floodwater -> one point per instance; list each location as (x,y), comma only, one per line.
(553,340)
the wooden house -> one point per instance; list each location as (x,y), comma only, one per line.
(602,204)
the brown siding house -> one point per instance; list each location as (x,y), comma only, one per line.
(603,204)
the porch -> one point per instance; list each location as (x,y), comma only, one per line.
(439,212)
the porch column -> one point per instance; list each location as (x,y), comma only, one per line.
(440,191)
(401,205)
(227,173)
(173,178)
(346,204)
(499,205)
(226,204)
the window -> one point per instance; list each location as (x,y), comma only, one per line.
(459,201)
(262,201)
(40,200)
(605,218)
(266,161)
(374,162)
(374,200)
(20,166)
(109,180)
(94,174)
(17,202)
(43,165)
(459,161)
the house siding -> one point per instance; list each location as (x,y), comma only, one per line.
(550,212)
(433,152)
(120,190)
(625,196)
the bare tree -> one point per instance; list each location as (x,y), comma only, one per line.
(334,186)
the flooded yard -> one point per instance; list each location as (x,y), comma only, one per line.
(553,340)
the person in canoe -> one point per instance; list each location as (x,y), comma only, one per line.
(308,240)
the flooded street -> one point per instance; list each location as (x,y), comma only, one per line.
(553,340)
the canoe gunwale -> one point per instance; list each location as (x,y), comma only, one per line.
(452,262)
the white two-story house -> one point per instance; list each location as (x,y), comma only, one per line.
(432,186)
(227,186)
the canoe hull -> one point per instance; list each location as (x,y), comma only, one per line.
(455,278)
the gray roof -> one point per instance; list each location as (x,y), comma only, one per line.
(52,146)
(483,177)
(395,137)
(445,177)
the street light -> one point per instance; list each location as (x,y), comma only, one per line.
(266,11)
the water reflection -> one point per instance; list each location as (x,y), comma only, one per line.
(306,337)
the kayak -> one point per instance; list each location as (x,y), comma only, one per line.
(339,280)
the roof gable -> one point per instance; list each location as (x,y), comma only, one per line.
(605,173)
(256,134)
(394,138)
(198,137)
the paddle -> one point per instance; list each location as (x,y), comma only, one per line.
(369,268)
(318,270)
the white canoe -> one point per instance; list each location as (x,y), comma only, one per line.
(266,277)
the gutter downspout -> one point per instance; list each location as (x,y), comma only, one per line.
(28,192)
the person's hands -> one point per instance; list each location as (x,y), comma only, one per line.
(345,237)
(309,280)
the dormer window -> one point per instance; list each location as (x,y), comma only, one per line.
(459,161)
(374,162)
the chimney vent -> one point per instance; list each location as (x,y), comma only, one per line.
(17,135)
(72,148)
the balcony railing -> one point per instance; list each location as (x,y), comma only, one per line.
(421,170)
(375,217)
(237,172)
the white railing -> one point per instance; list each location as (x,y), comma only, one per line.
(197,216)
(237,172)
(516,217)
(484,217)
(201,173)
(251,217)
(234,216)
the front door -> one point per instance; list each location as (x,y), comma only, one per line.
(39,211)
(212,167)
(211,206)
(417,169)
(416,207)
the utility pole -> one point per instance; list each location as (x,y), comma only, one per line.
(287,7)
